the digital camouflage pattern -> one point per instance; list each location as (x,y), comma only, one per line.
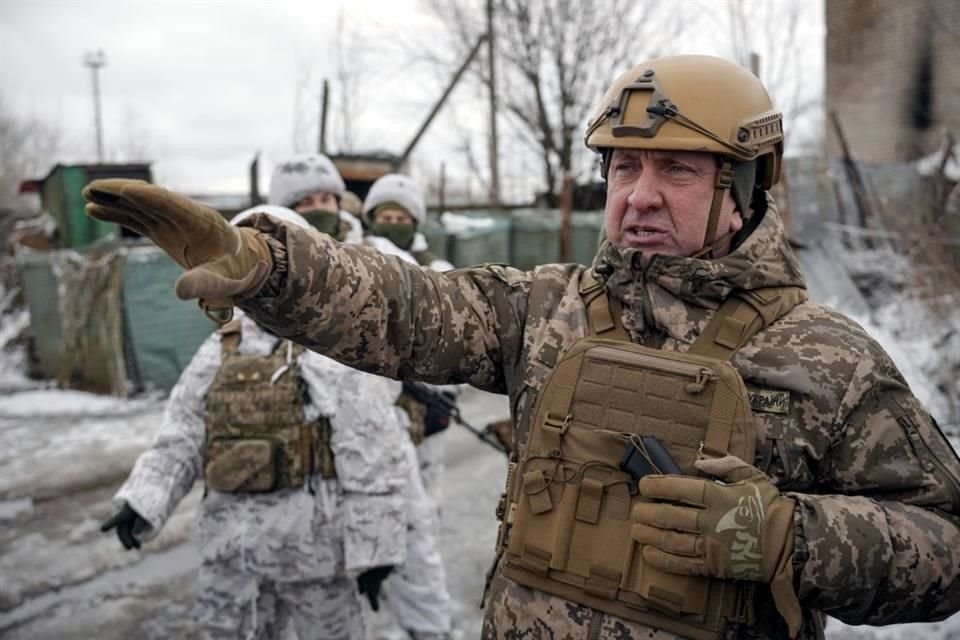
(330,528)
(878,518)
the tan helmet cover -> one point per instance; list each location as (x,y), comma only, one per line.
(692,103)
(351,203)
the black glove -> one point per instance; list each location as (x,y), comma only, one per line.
(369,582)
(129,524)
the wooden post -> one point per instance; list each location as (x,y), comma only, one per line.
(566,215)
(436,107)
(255,181)
(443,187)
(494,149)
(855,178)
(322,135)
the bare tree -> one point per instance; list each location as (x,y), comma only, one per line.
(557,57)
(135,143)
(27,148)
(351,77)
(774,32)
(348,86)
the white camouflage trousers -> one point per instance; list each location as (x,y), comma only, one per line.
(416,592)
(233,605)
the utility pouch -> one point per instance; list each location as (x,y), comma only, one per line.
(572,501)
(255,404)
(241,465)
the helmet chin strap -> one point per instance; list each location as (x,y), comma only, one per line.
(721,184)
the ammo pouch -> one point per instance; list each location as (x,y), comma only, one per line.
(257,439)
(569,505)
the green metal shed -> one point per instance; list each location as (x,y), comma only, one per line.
(60,195)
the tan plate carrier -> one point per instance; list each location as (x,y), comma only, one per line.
(569,520)
(257,437)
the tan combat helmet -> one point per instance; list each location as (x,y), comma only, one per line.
(351,203)
(696,103)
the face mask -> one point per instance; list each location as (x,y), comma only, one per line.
(399,234)
(324,221)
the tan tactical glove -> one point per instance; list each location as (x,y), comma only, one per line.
(739,528)
(224,263)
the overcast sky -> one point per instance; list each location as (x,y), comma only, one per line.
(199,87)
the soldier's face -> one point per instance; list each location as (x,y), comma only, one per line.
(393,216)
(659,202)
(319,201)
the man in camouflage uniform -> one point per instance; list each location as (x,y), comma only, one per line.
(852,492)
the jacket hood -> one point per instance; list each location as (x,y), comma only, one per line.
(650,295)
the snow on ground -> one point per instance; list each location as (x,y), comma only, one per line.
(64,579)
(45,403)
(902,328)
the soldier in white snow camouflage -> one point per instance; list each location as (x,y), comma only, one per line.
(294,552)
(416,591)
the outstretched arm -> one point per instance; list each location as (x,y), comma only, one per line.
(383,315)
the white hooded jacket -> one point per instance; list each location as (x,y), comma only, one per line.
(351,523)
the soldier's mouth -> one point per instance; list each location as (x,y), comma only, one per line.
(643,235)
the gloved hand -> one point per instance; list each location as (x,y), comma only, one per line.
(225,263)
(737,528)
(502,430)
(129,524)
(439,412)
(370,581)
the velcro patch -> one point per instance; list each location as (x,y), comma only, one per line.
(769,401)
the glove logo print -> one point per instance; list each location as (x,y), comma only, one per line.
(745,520)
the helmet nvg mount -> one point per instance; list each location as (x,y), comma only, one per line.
(695,103)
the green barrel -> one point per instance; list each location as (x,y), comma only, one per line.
(436,237)
(162,331)
(535,237)
(585,236)
(488,241)
(43,302)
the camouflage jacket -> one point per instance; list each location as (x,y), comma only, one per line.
(878,532)
(353,522)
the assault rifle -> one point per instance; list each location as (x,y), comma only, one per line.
(441,406)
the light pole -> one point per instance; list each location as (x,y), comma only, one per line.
(95,60)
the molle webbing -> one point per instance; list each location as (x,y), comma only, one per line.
(257,439)
(571,504)
(603,312)
(741,316)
